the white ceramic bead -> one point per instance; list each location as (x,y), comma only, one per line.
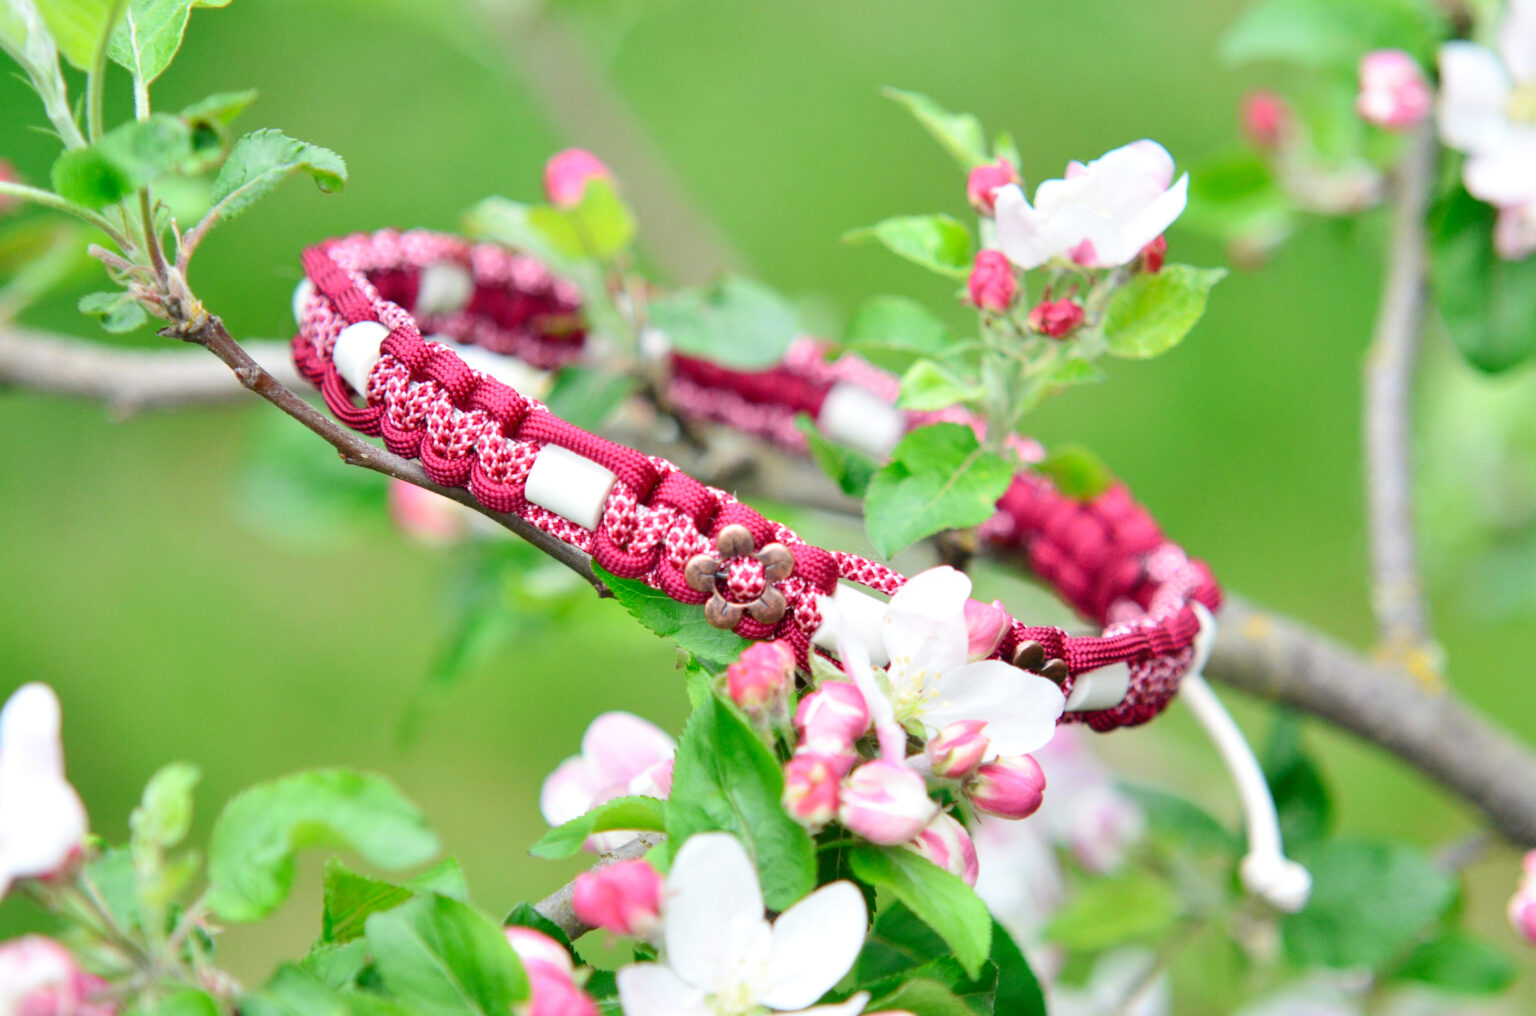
(301,294)
(444,287)
(569,485)
(1104,688)
(357,350)
(861,614)
(860,419)
(529,381)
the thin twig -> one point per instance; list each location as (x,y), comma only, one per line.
(557,907)
(1397,592)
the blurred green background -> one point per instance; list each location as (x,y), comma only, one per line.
(183,613)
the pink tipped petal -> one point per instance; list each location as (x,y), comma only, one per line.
(713,913)
(1474,92)
(535,947)
(619,746)
(650,989)
(1021,709)
(814,944)
(569,791)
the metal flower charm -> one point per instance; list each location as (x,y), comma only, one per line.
(740,581)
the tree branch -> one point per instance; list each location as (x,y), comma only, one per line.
(557,905)
(1397,593)
(1257,652)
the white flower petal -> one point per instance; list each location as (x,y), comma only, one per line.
(1020,229)
(925,621)
(650,989)
(1517,40)
(814,944)
(619,746)
(1021,709)
(569,791)
(713,913)
(1506,175)
(1474,94)
(855,660)
(852,1007)
(1155,219)
(29,731)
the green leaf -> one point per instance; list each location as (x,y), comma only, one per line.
(126,158)
(1370,901)
(78,26)
(897,942)
(939,243)
(250,855)
(1331,34)
(927,385)
(736,323)
(1181,821)
(438,955)
(683,623)
(146,40)
(25,37)
(959,133)
(1135,906)
(294,991)
(350,897)
(117,311)
(892,331)
(1301,796)
(725,778)
(1236,194)
(1459,963)
(260,161)
(164,815)
(338,964)
(586,396)
(219,108)
(508,222)
(944,902)
(1018,989)
(939,477)
(598,227)
(850,468)
(1153,312)
(640,814)
(181,1003)
(923,998)
(1077,472)
(1488,304)
(524,915)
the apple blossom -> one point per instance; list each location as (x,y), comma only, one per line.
(983,181)
(1522,912)
(812,781)
(534,948)
(621,755)
(832,717)
(566,175)
(885,802)
(1009,787)
(1056,319)
(552,991)
(991,284)
(985,625)
(42,821)
(1101,215)
(956,751)
(946,843)
(623,897)
(723,958)
(761,679)
(1393,90)
(39,977)
(1266,120)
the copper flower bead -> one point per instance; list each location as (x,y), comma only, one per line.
(707,574)
(1030,655)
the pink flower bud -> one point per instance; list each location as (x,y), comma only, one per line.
(624,897)
(832,717)
(424,516)
(946,843)
(886,803)
(1056,318)
(958,749)
(760,680)
(537,950)
(985,624)
(1266,120)
(1153,255)
(566,175)
(1393,91)
(983,180)
(554,994)
(992,285)
(8,174)
(39,977)
(1010,787)
(1522,913)
(811,785)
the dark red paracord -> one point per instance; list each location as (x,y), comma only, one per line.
(1106,557)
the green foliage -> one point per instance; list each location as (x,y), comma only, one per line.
(1135,906)
(939,477)
(1370,902)
(1457,962)
(922,997)
(260,161)
(960,133)
(736,322)
(892,331)
(641,814)
(350,898)
(927,385)
(901,946)
(79,27)
(1154,311)
(1077,472)
(117,311)
(943,901)
(940,243)
(251,852)
(725,778)
(586,396)
(1330,35)
(160,823)
(294,991)
(599,227)
(187,1002)
(1301,796)
(683,623)
(849,468)
(1186,824)
(440,956)
(1235,194)
(146,40)
(126,158)
(1488,304)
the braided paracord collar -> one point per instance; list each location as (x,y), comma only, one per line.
(640,517)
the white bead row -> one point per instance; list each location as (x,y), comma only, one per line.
(1103,688)
(569,485)
(860,419)
(443,287)
(356,352)
(529,381)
